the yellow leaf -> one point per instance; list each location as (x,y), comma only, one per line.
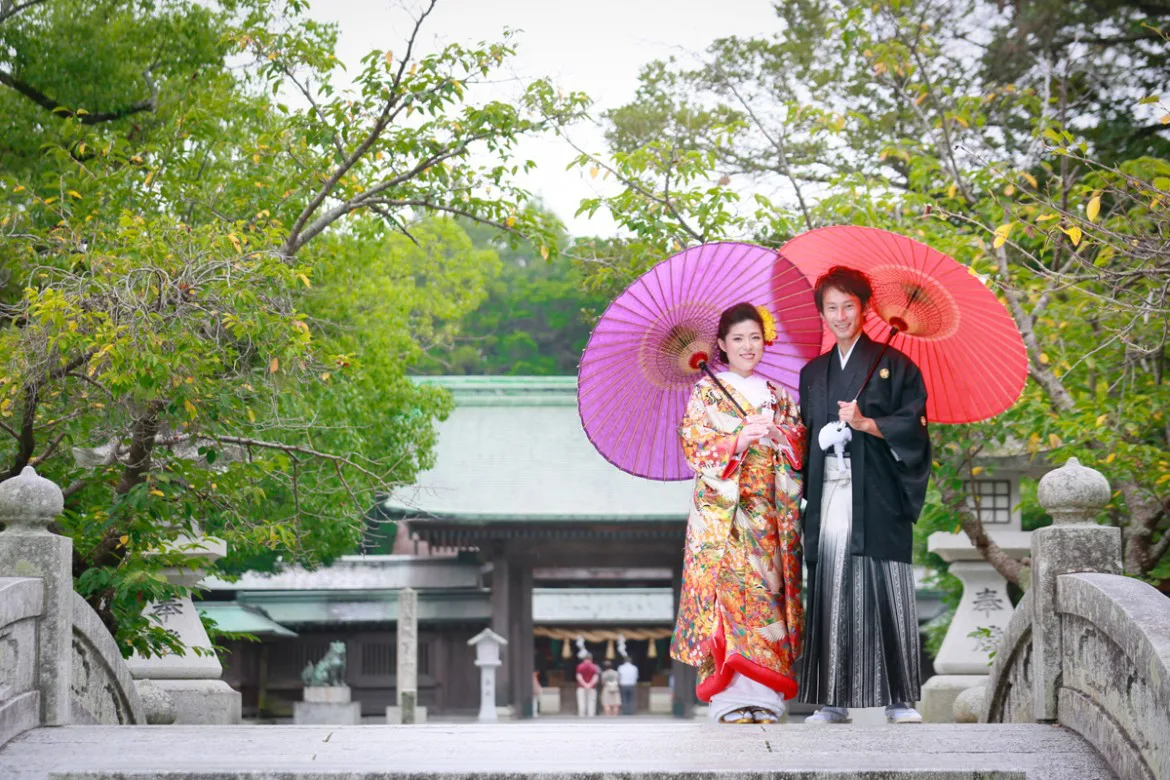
(1074,234)
(325,376)
(1034,443)
(236,243)
(304,280)
(1110,457)
(1044,358)
(1001,234)
(1030,179)
(1165,119)
(952,191)
(251,415)
(544,252)
(1053,440)
(510,221)
(976,471)
(149,179)
(123,540)
(191,410)
(49,200)
(158,493)
(1093,209)
(18,188)
(1101,420)
(256,157)
(75,194)
(389,57)
(962,121)
(1009,190)
(594,171)
(274,366)
(1047,217)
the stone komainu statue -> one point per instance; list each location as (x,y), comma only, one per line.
(330,670)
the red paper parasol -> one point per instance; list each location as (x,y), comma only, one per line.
(958,333)
(642,360)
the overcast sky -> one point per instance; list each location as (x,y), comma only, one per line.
(596,47)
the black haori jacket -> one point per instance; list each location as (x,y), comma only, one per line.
(887,493)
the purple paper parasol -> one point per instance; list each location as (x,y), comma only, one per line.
(641,362)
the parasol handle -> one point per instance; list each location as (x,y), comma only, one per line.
(707,370)
(896,325)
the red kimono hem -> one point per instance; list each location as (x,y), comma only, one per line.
(727,665)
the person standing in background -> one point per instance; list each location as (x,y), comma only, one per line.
(587,677)
(611,697)
(628,685)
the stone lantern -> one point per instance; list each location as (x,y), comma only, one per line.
(192,679)
(984,608)
(487,644)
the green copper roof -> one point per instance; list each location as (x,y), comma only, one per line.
(507,390)
(514,450)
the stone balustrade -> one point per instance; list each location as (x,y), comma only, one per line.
(58,663)
(21,600)
(1087,648)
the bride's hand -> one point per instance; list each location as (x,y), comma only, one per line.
(769,422)
(749,435)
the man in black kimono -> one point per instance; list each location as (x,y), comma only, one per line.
(865,478)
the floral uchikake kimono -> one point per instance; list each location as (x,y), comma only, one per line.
(740,610)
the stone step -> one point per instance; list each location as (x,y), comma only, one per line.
(564,750)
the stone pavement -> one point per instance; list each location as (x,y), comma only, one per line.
(554,751)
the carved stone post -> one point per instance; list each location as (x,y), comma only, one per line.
(406,681)
(28,504)
(1073,495)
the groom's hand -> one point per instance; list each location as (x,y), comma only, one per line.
(849,413)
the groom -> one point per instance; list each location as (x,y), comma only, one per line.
(861,641)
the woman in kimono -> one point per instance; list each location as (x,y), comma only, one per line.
(740,618)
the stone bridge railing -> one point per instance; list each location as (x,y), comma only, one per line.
(58,663)
(1087,648)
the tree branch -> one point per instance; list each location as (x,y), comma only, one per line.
(302,235)
(88,118)
(296,448)
(1145,511)
(26,441)
(781,155)
(49,450)
(8,10)
(1160,549)
(638,188)
(426,204)
(1044,377)
(142,440)
(74,487)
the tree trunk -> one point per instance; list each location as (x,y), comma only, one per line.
(1009,568)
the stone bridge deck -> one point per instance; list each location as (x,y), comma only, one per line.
(564,750)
